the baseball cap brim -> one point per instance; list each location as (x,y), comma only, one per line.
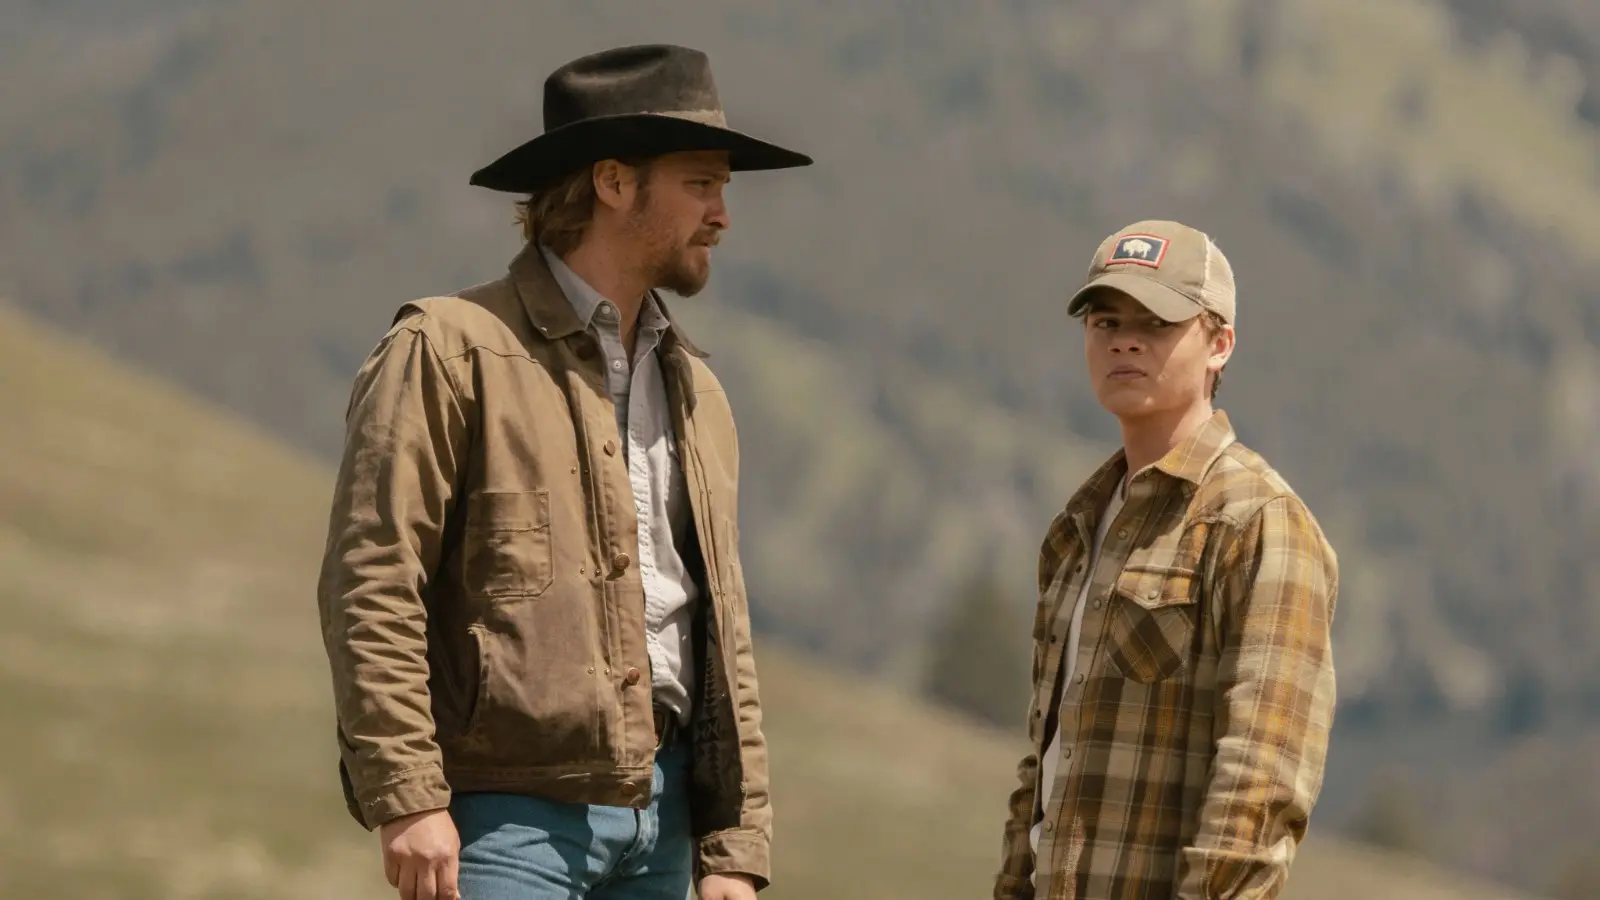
(1154,296)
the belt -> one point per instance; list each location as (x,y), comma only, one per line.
(668,730)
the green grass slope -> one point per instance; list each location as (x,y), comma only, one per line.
(163,686)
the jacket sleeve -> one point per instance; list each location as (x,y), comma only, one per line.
(745,848)
(405,435)
(1277,585)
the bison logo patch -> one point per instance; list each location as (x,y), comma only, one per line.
(1139,249)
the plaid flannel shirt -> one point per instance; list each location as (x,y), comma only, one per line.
(1195,730)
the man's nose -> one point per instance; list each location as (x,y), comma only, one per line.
(717,215)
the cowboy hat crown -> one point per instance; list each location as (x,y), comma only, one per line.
(625,103)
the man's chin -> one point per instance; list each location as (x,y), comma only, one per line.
(687,281)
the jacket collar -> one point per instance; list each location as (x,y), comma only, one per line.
(552,314)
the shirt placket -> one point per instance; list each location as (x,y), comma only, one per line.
(633,426)
(1102,553)
(641,434)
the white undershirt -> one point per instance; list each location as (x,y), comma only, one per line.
(1049,759)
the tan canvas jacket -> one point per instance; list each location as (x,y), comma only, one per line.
(481,607)
(1194,731)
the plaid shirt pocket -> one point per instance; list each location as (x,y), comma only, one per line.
(1151,628)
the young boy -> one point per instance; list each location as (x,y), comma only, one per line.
(1183,677)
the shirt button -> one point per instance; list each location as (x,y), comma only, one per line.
(1066,753)
(611,448)
(1049,826)
(1078,678)
(1097,604)
(616,365)
(632,677)
(620,561)
(1122,533)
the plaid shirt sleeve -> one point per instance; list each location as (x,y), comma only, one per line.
(1276,587)
(1015,879)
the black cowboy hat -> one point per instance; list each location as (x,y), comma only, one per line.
(627,103)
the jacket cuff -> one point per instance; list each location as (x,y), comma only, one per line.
(736,852)
(413,791)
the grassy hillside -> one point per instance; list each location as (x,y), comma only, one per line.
(237,193)
(165,693)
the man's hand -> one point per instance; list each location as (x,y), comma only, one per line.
(727,887)
(422,855)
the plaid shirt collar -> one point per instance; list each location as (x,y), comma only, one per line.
(1188,463)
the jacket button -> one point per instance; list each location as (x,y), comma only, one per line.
(632,677)
(611,448)
(629,789)
(620,561)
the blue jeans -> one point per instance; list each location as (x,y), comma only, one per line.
(524,848)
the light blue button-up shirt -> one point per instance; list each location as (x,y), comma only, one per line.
(660,494)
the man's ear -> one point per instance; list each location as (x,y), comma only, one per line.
(613,184)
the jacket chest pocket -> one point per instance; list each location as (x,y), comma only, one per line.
(506,552)
(1151,630)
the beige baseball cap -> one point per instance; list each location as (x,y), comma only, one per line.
(1174,270)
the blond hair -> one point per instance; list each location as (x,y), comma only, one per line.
(558,215)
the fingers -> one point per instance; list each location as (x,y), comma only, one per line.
(391,868)
(449,872)
(408,880)
(427,882)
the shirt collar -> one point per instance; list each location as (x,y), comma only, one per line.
(1192,459)
(1188,463)
(586,301)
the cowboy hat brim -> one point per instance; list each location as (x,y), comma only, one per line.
(546,158)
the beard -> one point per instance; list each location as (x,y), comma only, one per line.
(683,272)
(671,263)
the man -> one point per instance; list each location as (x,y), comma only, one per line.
(531,595)
(1183,680)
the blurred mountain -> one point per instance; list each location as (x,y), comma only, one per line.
(169,730)
(238,193)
